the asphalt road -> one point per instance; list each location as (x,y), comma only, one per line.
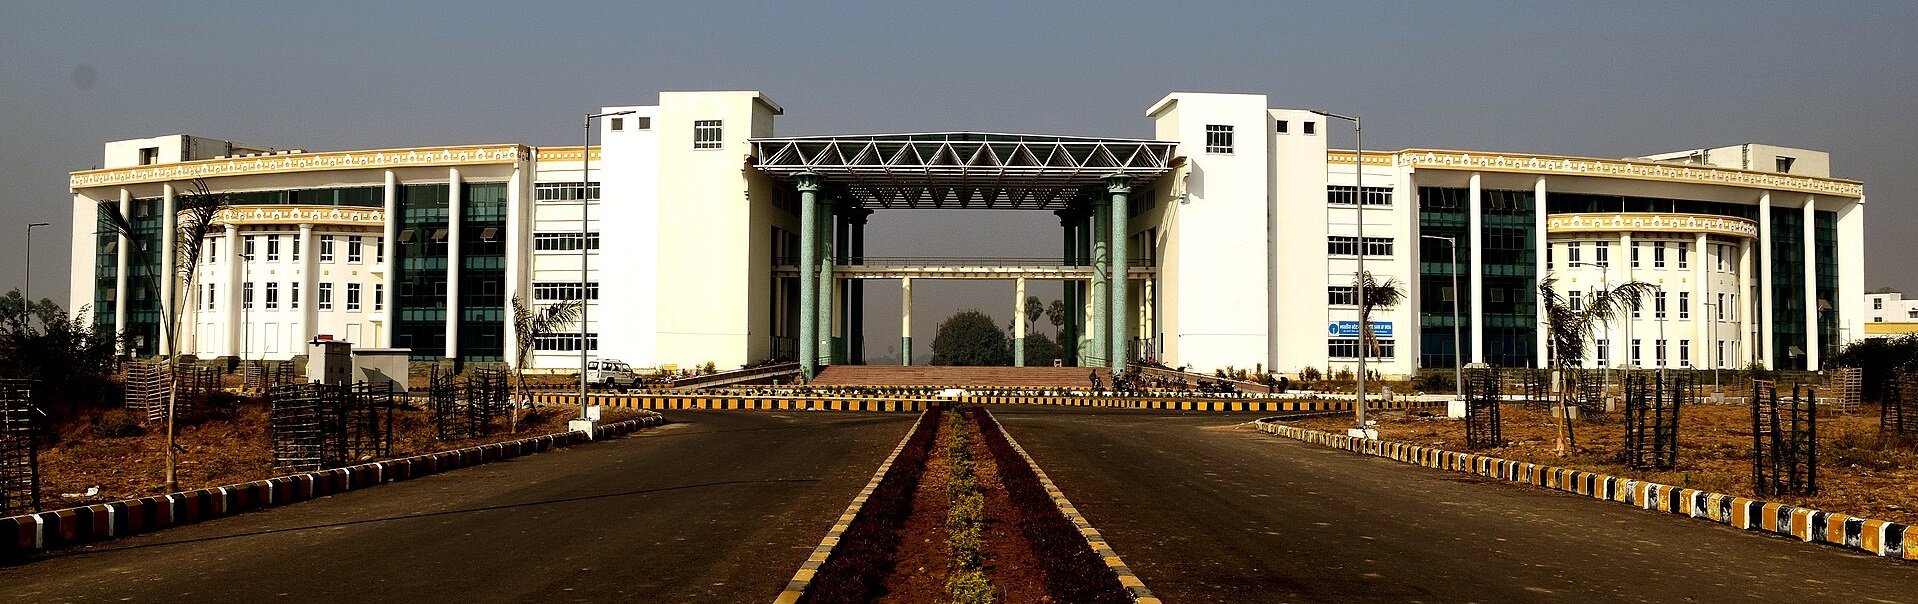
(718,507)
(1208,514)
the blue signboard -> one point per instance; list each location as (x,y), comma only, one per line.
(1350,329)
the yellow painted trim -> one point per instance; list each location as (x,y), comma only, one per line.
(1562,165)
(562,153)
(347,215)
(303,162)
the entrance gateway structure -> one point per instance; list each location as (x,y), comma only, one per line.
(1084,181)
(1227,237)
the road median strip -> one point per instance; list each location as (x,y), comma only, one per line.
(24,535)
(1878,537)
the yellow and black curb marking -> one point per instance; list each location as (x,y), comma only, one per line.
(1887,539)
(915,404)
(25,534)
(1131,581)
(802,579)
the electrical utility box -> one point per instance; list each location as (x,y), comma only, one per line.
(329,362)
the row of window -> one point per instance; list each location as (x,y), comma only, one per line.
(1339,245)
(1348,348)
(1725,310)
(563,241)
(1347,195)
(1602,254)
(270,296)
(564,191)
(550,291)
(1218,137)
(250,247)
(1727,353)
(564,342)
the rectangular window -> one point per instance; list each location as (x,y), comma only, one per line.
(353,297)
(379,249)
(1602,253)
(1345,295)
(273,248)
(326,296)
(1658,305)
(379,296)
(272,295)
(353,253)
(1877,303)
(1218,138)
(1378,246)
(1571,253)
(563,241)
(564,191)
(1659,349)
(618,124)
(1684,305)
(326,248)
(1684,254)
(1348,348)
(212,250)
(564,342)
(1282,127)
(1733,305)
(1720,309)
(551,291)
(1344,195)
(295,243)
(246,246)
(642,123)
(1311,127)
(294,287)
(151,155)
(1634,253)
(1721,354)
(706,134)
(1684,353)
(246,295)
(1576,301)
(212,297)
(1635,356)
(1658,254)
(1338,245)
(1604,352)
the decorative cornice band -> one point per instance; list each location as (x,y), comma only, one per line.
(1651,222)
(347,215)
(303,162)
(1621,168)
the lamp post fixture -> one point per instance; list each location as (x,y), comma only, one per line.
(1358,175)
(585,235)
(1458,345)
(26,289)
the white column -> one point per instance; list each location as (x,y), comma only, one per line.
(169,268)
(1701,294)
(120,296)
(1539,268)
(1623,260)
(1741,309)
(234,270)
(1851,271)
(453,209)
(515,205)
(1019,322)
(310,286)
(1476,235)
(391,243)
(1811,284)
(1764,284)
(905,321)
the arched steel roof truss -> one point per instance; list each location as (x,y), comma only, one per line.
(964,169)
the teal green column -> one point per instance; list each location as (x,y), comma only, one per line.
(1118,185)
(826,293)
(1082,314)
(808,269)
(1098,350)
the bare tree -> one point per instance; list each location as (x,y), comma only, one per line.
(197,207)
(1568,325)
(530,324)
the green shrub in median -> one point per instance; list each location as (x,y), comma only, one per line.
(965,519)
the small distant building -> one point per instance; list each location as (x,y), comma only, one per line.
(1889,314)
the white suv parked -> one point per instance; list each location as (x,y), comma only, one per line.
(611,373)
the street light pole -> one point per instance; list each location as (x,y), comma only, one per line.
(26,289)
(585,175)
(1458,346)
(1365,327)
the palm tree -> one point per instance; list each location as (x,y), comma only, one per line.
(1378,295)
(1569,326)
(530,324)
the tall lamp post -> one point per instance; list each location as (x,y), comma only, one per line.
(26,289)
(585,235)
(1358,174)
(1458,346)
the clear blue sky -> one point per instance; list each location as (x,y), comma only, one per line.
(1606,79)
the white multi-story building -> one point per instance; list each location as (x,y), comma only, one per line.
(708,238)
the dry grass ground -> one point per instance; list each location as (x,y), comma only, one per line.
(1859,472)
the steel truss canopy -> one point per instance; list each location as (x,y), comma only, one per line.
(953,170)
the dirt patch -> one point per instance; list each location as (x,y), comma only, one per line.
(1011,563)
(227,444)
(1860,472)
(919,571)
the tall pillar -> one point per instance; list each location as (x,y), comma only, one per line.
(1068,334)
(122,251)
(1704,329)
(856,298)
(808,273)
(516,269)
(235,327)
(455,205)
(1813,339)
(1624,262)
(390,201)
(1763,315)
(169,271)
(1540,269)
(905,321)
(1098,350)
(1741,311)
(1118,185)
(1476,234)
(1019,322)
(309,286)
(826,289)
(842,289)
